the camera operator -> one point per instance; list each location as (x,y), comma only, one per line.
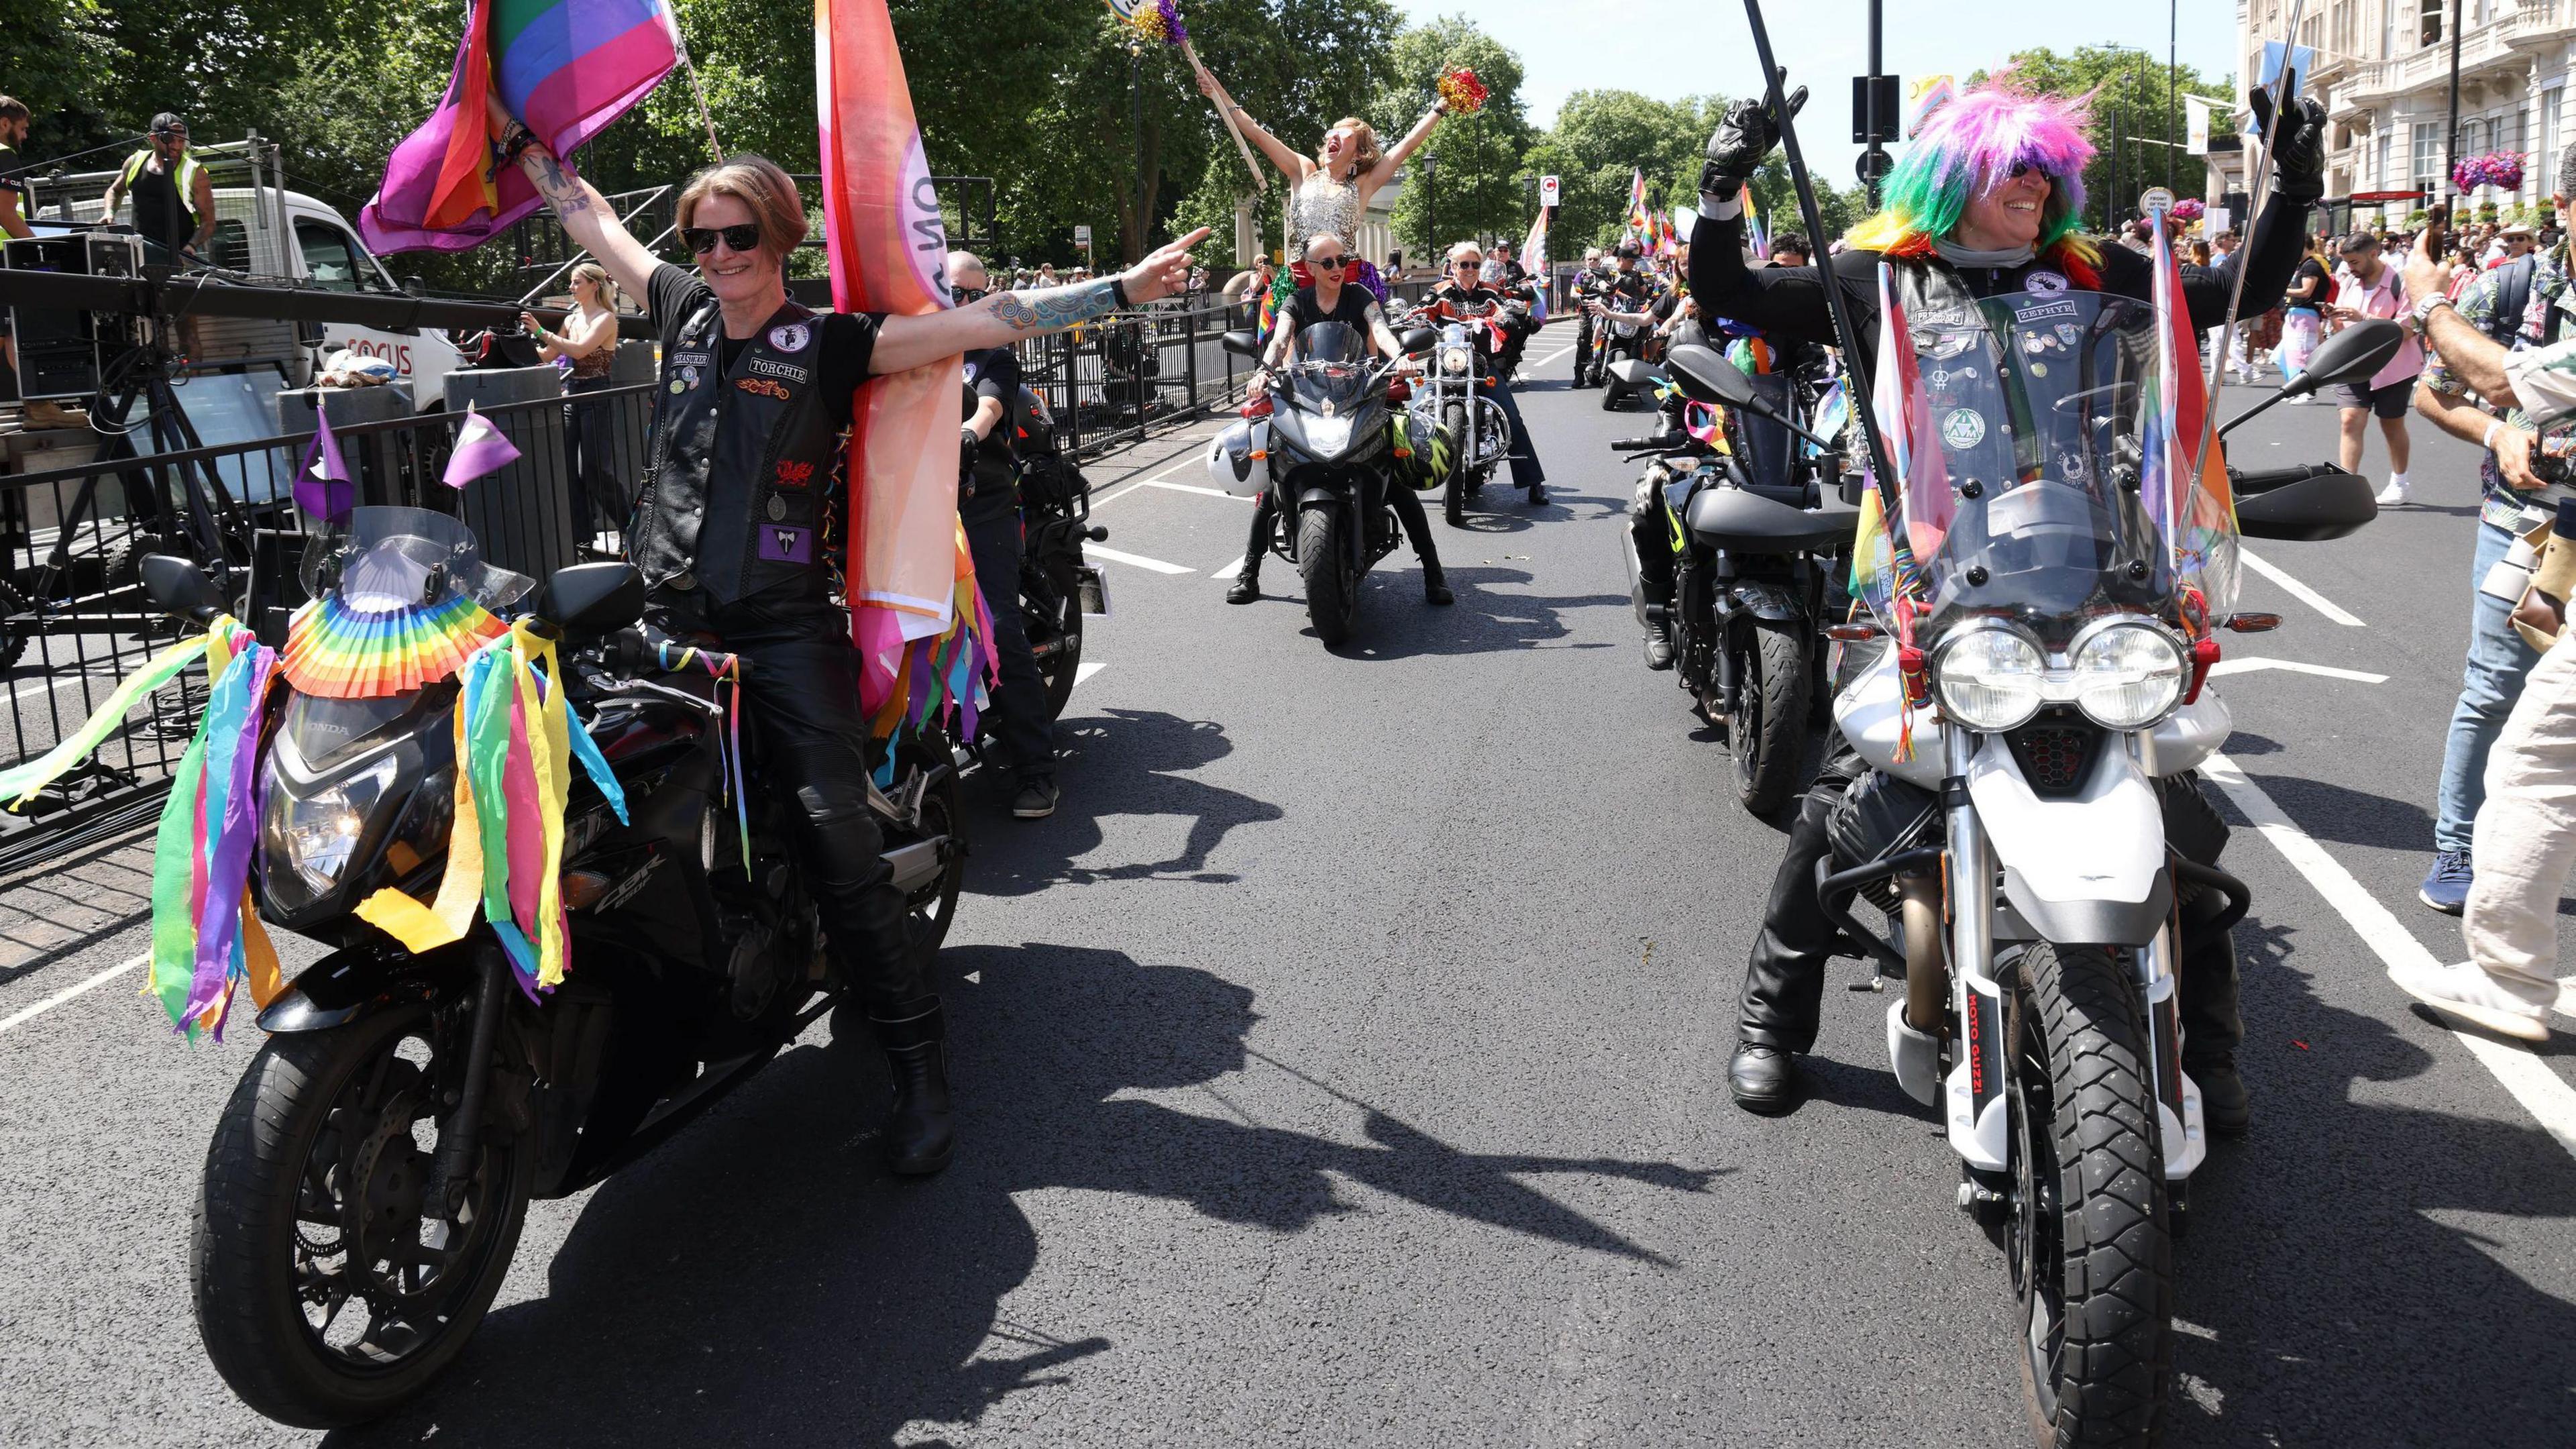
(14,123)
(174,198)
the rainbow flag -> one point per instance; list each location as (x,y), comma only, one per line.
(1638,217)
(564,68)
(889,253)
(2184,490)
(1534,262)
(1917,499)
(1925,96)
(1753,233)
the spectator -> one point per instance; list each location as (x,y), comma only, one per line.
(2515,273)
(1046,274)
(1246,288)
(588,342)
(1790,249)
(14,123)
(2303,314)
(2514,499)
(174,198)
(2366,286)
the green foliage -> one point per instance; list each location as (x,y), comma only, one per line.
(1603,137)
(1481,185)
(2129,92)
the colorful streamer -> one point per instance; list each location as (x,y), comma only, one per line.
(2183,489)
(338,652)
(206,938)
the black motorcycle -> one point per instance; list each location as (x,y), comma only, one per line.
(1614,342)
(1758,534)
(1332,464)
(1057,586)
(368,1178)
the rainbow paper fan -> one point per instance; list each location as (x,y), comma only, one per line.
(1159,21)
(1464,93)
(339,652)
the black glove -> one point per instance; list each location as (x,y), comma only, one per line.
(967,445)
(1742,139)
(2298,146)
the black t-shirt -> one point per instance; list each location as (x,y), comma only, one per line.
(1353,307)
(841,362)
(995,373)
(13,178)
(2315,301)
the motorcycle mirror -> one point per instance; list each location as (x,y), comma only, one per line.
(2349,356)
(592,598)
(1241,344)
(2323,505)
(1717,377)
(1420,339)
(180,586)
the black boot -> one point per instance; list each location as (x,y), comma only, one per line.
(1538,495)
(1435,584)
(921,1128)
(1659,646)
(2212,1028)
(1761,1078)
(1247,580)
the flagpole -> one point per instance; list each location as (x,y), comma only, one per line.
(700,91)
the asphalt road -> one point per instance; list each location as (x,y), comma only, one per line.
(1344,1064)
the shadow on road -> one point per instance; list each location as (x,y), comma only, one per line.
(2343,1236)
(1394,623)
(1118,762)
(765,1282)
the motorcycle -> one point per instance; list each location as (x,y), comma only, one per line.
(1614,342)
(370,1174)
(1330,464)
(1759,532)
(1058,587)
(2048,671)
(1456,400)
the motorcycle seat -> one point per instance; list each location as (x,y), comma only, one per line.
(1636,372)
(1742,521)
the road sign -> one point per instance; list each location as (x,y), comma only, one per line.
(1082,237)
(1873,166)
(1547,191)
(2154,200)
(1876,115)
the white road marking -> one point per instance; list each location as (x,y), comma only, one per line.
(1183,466)
(67,993)
(1230,570)
(1553,356)
(2294,666)
(1194,488)
(1136,559)
(2566,996)
(1085,670)
(2306,595)
(2528,1078)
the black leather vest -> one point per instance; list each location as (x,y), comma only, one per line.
(742,460)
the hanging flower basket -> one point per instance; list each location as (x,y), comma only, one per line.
(2190,208)
(2499,169)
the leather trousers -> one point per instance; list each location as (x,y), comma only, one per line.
(1408,511)
(1019,711)
(801,696)
(1784,978)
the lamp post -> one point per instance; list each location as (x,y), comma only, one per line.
(1431,201)
(2451,141)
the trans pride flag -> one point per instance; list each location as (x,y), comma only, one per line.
(565,68)
(2184,489)
(913,603)
(1639,220)
(1534,262)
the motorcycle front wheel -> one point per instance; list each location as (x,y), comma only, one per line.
(2091,1258)
(1453,497)
(1323,560)
(327,1292)
(1768,729)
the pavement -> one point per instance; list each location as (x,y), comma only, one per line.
(1344,1064)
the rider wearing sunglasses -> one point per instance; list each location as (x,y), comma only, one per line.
(1463,296)
(733,534)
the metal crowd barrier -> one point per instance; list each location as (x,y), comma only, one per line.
(74,620)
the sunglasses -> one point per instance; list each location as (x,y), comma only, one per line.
(702,239)
(1467,266)
(1330,264)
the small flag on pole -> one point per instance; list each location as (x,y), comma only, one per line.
(323,487)
(480,449)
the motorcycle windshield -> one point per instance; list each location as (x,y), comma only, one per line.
(1328,363)
(383,559)
(2043,471)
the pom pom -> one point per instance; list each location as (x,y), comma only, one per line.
(1464,93)
(1160,21)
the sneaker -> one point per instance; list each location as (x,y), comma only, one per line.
(2393,494)
(1036,800)
(2446,885)
(2475,995)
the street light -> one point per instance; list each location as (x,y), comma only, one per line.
(1431,201)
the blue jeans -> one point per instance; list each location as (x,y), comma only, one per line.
(2498,662)
(1526,471)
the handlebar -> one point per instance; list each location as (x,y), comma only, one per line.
(635,647)
(1657,443)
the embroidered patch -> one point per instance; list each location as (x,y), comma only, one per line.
(790,336)
(795,474)
(769,367)
(1963,428)
(2044,284)
(691,359)
(763,386)
(787,545)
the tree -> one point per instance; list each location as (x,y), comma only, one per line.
(1481,186)
(2129,97)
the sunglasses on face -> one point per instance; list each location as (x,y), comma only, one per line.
(1330,264)
(1465,266)
(702,239)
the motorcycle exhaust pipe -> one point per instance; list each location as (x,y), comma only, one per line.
(1927,973)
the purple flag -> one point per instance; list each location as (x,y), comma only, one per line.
(322,484)
(480,449)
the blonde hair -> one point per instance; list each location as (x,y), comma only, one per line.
(1368,153)
(597,276)
(759,184)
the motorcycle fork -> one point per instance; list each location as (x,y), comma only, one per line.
(1973,1106)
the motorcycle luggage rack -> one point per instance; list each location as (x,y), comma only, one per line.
(1835,891)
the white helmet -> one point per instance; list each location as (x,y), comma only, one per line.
(1238,459)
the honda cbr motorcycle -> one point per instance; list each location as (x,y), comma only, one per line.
(1758,531)
(1329,463)
(369,1176)
(2067,585)
(1456,399)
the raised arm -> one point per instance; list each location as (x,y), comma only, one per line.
(904,343)
(1295,167)
(1388,164)
(585,215)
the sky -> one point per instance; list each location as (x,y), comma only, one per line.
(1676,48)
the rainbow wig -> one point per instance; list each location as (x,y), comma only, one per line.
(1975,142)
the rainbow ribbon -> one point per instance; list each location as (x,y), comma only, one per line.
(726,669)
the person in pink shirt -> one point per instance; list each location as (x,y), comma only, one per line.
(2366,286)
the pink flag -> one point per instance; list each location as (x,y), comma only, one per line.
(323,487)
(480,449)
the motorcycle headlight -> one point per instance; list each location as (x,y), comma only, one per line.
(1454,359)
(1328,435)
(1989,677)
(2128,675)
(319,832)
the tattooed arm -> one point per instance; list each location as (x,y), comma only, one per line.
(584,214)
(1003,318)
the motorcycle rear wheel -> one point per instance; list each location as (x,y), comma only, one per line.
(943,812)
(2091,1256)
(1323,560)
(1769,727)
(1060,665)
(323,1156)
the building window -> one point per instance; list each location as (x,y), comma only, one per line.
(2544,160)
(2428,28)
(2387,29)
(2346,26)
(2426,171)
(2382,176)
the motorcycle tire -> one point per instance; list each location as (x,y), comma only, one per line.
(256,1211)
(1453,491)
(943,811)
(1063,664)
(1613,397)
(1323,560)
(1768,731)
(2087,1229)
